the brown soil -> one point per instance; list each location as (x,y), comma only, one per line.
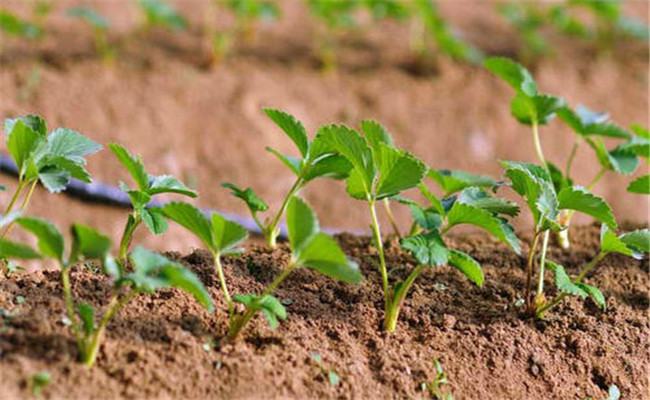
(206,126)
(155,347)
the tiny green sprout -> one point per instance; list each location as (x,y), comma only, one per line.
(158,13)
(317,159)
(435,387)
(53,159)
(150,272)
(633,244)
(333,378)
(547,193)
(99,25)
(147,186)
(13,25)
(39,381)
(431,25)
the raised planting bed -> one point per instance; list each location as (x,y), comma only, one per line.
(168,346)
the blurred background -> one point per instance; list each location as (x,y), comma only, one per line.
(183,83)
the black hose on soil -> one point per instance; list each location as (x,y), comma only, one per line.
(101,193)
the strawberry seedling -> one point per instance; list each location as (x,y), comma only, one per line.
(99,25)
(13,25)
(535,183)
(309,248)
(317,160)
(158,13)
(52,159)
(151,272)
(632,244)
(147,186)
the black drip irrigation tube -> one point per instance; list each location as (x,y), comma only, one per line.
(101,193)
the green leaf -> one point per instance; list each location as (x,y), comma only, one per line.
(324,255)
(428,219)
(13,250)
(72,145)
(227,234)
(272,309)
(640,131)
(177,276)
(640,185)
(90,16)
(428,248)
(375,133)
(139,199)
(621,160)
(32,121)
(154,219)
(293,163)
(478,197)
(607,130)
(328,166)
(579,199)
(595,294)
(292,127)
(22,141)
(513,73)
(54,179)
(534,184)
(611,243)
(354,148)
(133,165)
(87,314)
(50,240)
(436,204)
(168,184)
(638,240)
(64,167)
(540,108)
(467,265)
(454,181)
(160,13)
(398,170)
(461,213)
(251,199)
(193,220)
(563,281)
(89,243)
(244,298)
(302,224)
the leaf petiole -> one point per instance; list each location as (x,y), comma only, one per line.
(222,282)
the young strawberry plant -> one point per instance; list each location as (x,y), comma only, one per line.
(99,25)
(147,186)
(317,160)
(535,183)
(528,19)
(632,244)
(309,248)
(158,13)
(150,272)
(52,159)
(13,25)
(590,127)
(334,16)
(381,171)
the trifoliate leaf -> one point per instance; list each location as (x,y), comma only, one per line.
(292,127)
(538,109)
(50,240)
(254,203)
(398,171)
(324,255)
(513,73)
(454,181)
(467,265)
(579,199)
(133,165)
(193,220)
(640,185)
(563,281)
(427,249)
(227,234)
(13,250)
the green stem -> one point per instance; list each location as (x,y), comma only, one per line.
(272,230)
(222,282)
(14,198)
(529,268)
(538,145)
(542,266)
(569,163)
(590,187)
(540,311)
(69,306)
(127,236)
(114,306)
(238,322)
(391,218)
(25,203)
(392,312)
(380,249)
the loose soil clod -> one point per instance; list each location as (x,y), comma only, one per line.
(167,346)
